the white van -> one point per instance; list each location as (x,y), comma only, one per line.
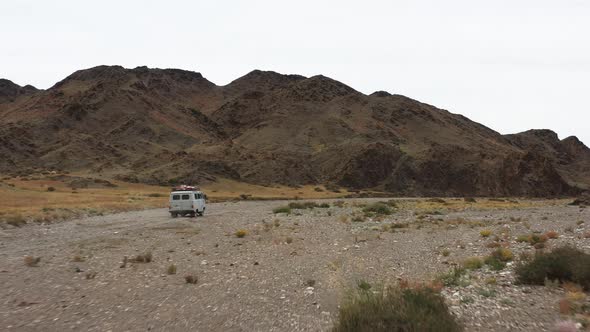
(187,201)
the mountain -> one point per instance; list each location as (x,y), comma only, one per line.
(164,126)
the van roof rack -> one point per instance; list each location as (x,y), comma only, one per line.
(184,187)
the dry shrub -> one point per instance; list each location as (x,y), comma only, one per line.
(191,279)
(532,239)
(77,258)
(90,275)
(241,233)
(485,233)
(171,269)
(143,258)
(32,261)
(473,263)
(395,309)
(282,209)
(15,220)
(552,235)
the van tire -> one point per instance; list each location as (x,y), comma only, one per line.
(202,212)
(192,214)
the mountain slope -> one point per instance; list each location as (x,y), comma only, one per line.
(166,126)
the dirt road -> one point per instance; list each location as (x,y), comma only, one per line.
(288,273)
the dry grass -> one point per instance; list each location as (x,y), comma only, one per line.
(191,279)
(32,261)
(241,233)
(143,258)
(171,269)
(25,200)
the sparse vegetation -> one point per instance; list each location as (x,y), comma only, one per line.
(241,233)
(362,284)
(77,258)
(171,269)
(395,309)
(445,252)
(282,209)
(379,209)
(15,220)
(562,264)
(90,275)
(143,258)
(32,261)
(473,263)
(50,189)
(532,239)
(289,240)
(191,279)
(456,277)
(485,233)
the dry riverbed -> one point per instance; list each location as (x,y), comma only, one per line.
(288,272)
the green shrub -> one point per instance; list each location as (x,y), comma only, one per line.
(494,263)
(562,264)
(378,208)
(473,263)
(282,209)
(395,309)
(456,277)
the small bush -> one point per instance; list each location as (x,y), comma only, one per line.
(494,263)
(90,275)
(241,233)
(304,205)
(455,277)
(156,195)
(473,263)
(171,269)
(339,204)
(563,264)
(289,240)
(485,233)
(552,235)
(363,285)
(378,208)
(445,252)
(503,254)
(77,258)
(469,200)
(191,279)
(395,309)
(16,220)
(50,189)
(282,209)
(143,258)
(532,239)
(32,261)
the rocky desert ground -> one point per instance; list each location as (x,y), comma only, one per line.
(253,269)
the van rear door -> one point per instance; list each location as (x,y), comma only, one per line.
(181,201)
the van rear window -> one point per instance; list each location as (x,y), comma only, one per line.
(185,197)
(175,197)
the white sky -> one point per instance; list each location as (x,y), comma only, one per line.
(510,65)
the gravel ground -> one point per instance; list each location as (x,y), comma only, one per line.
(289,273)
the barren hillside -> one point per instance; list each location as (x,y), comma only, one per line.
(162,126)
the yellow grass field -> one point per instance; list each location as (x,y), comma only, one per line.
(39,199)
(29,199)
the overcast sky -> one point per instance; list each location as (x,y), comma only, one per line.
(510,65)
